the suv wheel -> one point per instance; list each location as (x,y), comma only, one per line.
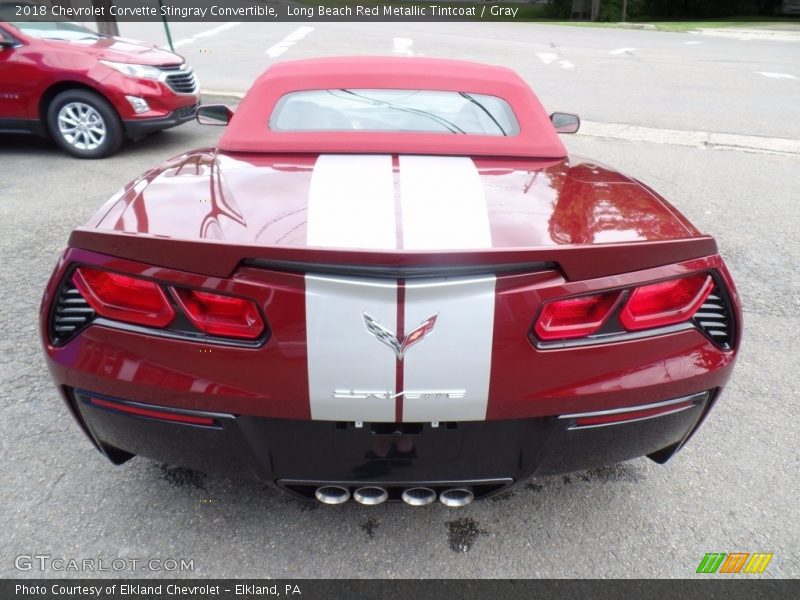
(84,124)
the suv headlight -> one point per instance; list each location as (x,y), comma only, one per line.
(131,70)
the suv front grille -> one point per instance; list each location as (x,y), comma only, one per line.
(181,79)
(70,314)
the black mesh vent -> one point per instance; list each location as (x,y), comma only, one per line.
(70,314)
(186,112)
(715,320)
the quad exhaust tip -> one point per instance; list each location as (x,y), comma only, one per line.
(371,495)
(332,494)
(456,497)
(418,496)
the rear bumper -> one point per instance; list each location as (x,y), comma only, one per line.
(300,455)
(137,128)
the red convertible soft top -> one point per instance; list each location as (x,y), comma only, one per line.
(249,131)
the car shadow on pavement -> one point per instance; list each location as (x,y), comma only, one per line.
(27,144)
(246,492)
(173,141)
(260,509)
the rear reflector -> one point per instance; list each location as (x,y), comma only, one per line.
(665,303)
(575,317)
(153,413)
(124,298)
(221,315)
(633,415)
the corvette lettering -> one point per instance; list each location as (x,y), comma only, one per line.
(409,394)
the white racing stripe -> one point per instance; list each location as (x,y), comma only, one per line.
(443,207)
(456,354)
(351,203)
(442,204)
(352,375)
(342,354)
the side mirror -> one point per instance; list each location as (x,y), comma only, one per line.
(213,114)
(565,122)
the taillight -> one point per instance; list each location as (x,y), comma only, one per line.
(216,314)
(124,298)
(665,303)
(634,309)
(575,317)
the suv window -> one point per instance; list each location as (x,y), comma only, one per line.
(56,30)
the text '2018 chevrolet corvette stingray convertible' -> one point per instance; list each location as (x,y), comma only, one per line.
(389,281)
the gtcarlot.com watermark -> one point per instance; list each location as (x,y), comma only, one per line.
(61,564)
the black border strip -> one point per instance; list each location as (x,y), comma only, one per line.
(700,587)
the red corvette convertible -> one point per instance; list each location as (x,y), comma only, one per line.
(389,282)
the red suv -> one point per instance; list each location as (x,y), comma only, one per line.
(88,91)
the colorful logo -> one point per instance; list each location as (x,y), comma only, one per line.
(735,562)
(399,345)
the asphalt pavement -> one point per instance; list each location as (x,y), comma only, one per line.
(682,81)
(733,488)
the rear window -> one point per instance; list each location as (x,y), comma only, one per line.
(422,111)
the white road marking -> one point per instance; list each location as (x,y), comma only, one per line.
(402,46)
(206,33)
(289,41)
(219,29)
(776,75)
(623,51)
(547,57)
(696,139)
(692,43)
(745,35)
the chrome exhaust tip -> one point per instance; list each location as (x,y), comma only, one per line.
(456,497)
(332,494)
(418,496)
(370,495)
